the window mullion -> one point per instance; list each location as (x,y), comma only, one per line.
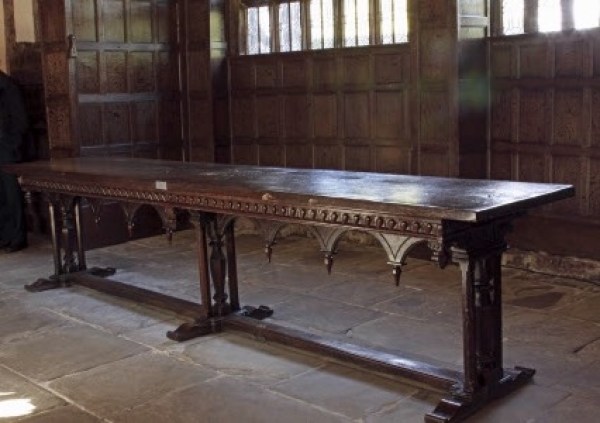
(338,21)
(305,20)
(531,16)
(355,22)
(274,30)
(290,26)
(568,20)
(373,23)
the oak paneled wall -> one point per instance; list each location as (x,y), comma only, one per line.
(126,78)
(545,125)
(338,109)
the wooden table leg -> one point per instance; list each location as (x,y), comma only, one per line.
(203,325)
(67,244)
(232,277)
(484,376)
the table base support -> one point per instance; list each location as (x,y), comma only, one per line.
(96,279)
(456,409)
(61,281)
(196,329)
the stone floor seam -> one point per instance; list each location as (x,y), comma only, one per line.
(311,405)
(44,386)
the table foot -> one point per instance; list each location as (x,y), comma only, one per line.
(259,313)
(458,408)
(46,284)
(101,272)
(55,282)
(195,329)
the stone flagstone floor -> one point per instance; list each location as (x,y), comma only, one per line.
(76,356)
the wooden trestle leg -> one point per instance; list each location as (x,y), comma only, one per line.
(484,377)
(67,245)
(218,232)
(204,324)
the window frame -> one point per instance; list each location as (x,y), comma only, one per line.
(531,19)
(375,38)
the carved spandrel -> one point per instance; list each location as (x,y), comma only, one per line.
(96,206)
(397,248)
(328,238)
(130,210)
(168,216)
(269,231)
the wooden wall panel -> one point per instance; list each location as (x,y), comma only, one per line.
(84,20)
(116,124)
(331,109)
(545,108)
(271,155)
(569,59)
(328,157)
(533,60)
(568,117)
(358,158)
(104,91)
(532,168)
(595,138)
(90,115)
(356,115)
(325,116)
(389,117)
(501,167)
(298,156)
(141,72)
(391,69)
(594,209)
(533,119)
(393,160)
(114,20)
(502,115)
(296,117)
(267,116)
(88,73)
(116,71)
(294,73)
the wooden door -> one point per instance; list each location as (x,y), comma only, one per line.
(126,85)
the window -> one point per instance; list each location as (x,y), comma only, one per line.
(321,24)
(586,14)
(549,15)
(394,21)
(290,32)
(269,26)
(513,17)
(259,30)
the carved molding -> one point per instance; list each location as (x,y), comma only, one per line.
(265,208)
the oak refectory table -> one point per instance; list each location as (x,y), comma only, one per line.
(462,221)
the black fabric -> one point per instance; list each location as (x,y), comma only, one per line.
(13,135)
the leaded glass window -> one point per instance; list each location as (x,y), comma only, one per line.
(550,15)
(321,24)
(513,14)
(586,13)
(290,27)
(272,26)
(258,30)
(356,23)
(393,21)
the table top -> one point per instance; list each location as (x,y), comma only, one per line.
(433,197)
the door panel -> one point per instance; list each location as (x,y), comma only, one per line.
(123,50)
